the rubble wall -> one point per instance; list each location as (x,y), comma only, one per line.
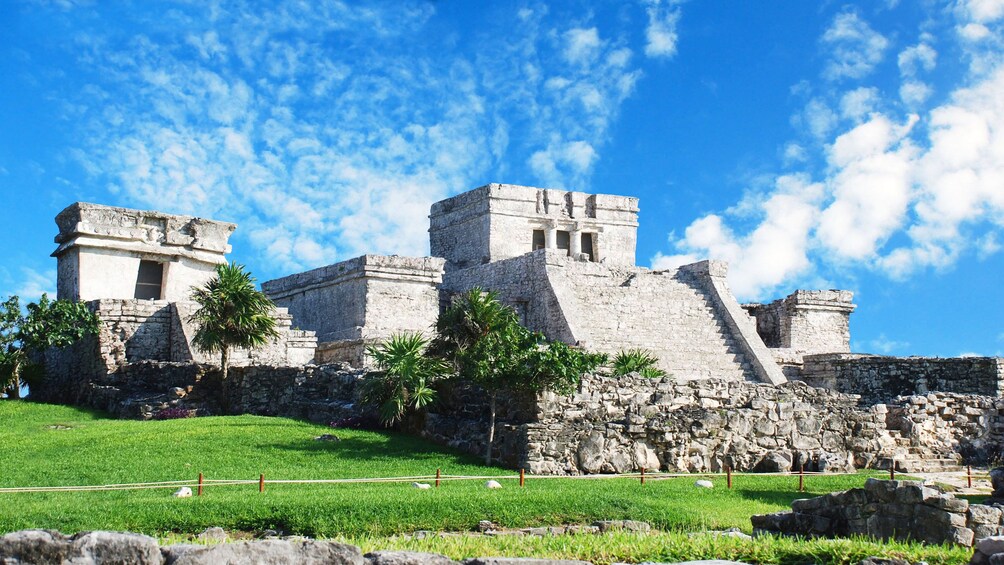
(879,379)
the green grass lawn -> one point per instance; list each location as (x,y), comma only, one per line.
(46,445)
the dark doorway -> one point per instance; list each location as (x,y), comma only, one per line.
(587,245)
(538,240)
(148,281)
(564,240)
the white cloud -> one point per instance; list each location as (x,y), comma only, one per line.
(974,32)
(918,57)
(34,283)
(582,45)
(884,345)
(984,11)
(914,93)
(857,104)
(321,149)
(854,46)
(661,35)
(775,251)
(818,118)
(900,192)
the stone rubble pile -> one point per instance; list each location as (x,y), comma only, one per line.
(886,510)
(46,547)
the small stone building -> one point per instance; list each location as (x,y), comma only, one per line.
(108,252)
(136,270)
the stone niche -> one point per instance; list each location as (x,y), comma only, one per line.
(109,252)
(502,221)
(361,301)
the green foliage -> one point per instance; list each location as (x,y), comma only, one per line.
(404,376)
(488,346)
(232,313)
(46,324)
(637,361)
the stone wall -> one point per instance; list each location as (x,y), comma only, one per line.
(903,510)
(100,249)
(132,331)
(497,222)
(878,378)
(361,301)
(622,424)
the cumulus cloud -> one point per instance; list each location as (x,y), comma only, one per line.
(904,185)
(323,132)
(35,283)
(661,35)
(854,47)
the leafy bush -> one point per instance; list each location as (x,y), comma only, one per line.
(404,376)
(637,361)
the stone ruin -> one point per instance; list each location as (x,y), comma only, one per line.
(736,392)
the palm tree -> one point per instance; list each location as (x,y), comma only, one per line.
(403,377)
(232,313)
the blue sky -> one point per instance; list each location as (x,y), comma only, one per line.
(855,145)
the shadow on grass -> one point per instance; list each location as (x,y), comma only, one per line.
(377,446)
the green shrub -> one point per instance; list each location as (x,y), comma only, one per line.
(637,361)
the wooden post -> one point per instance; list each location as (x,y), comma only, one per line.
(728,476)
(642,475)
(892,470)
(437,477)
(261,482)
(801,477)
(969,476)
(522,477)
(200,484)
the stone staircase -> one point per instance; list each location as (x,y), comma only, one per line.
(663,312)
(909,458)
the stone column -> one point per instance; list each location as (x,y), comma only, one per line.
(575,245)
(551,236)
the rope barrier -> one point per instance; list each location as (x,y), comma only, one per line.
(521,477)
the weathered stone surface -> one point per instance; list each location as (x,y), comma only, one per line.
(267,552)
(406,558)
(34,546)
(626,525)
(86,548)
(883,509)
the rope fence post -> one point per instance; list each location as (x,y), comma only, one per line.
(728,476)
(200,484)
(437,477)
(969,476)
(642,475)
(522,478)
(801,477)
(261,482)
(892,470)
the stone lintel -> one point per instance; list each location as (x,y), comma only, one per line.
(424,270)
(142,231)
(836,300)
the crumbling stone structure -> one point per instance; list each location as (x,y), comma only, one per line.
(361,301)
(903,510)
(565,262)
(107,252)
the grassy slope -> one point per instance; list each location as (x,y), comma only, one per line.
(38,451)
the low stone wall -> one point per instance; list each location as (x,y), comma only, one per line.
(887,510)
(880,379)
(319,393)
(622,424)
